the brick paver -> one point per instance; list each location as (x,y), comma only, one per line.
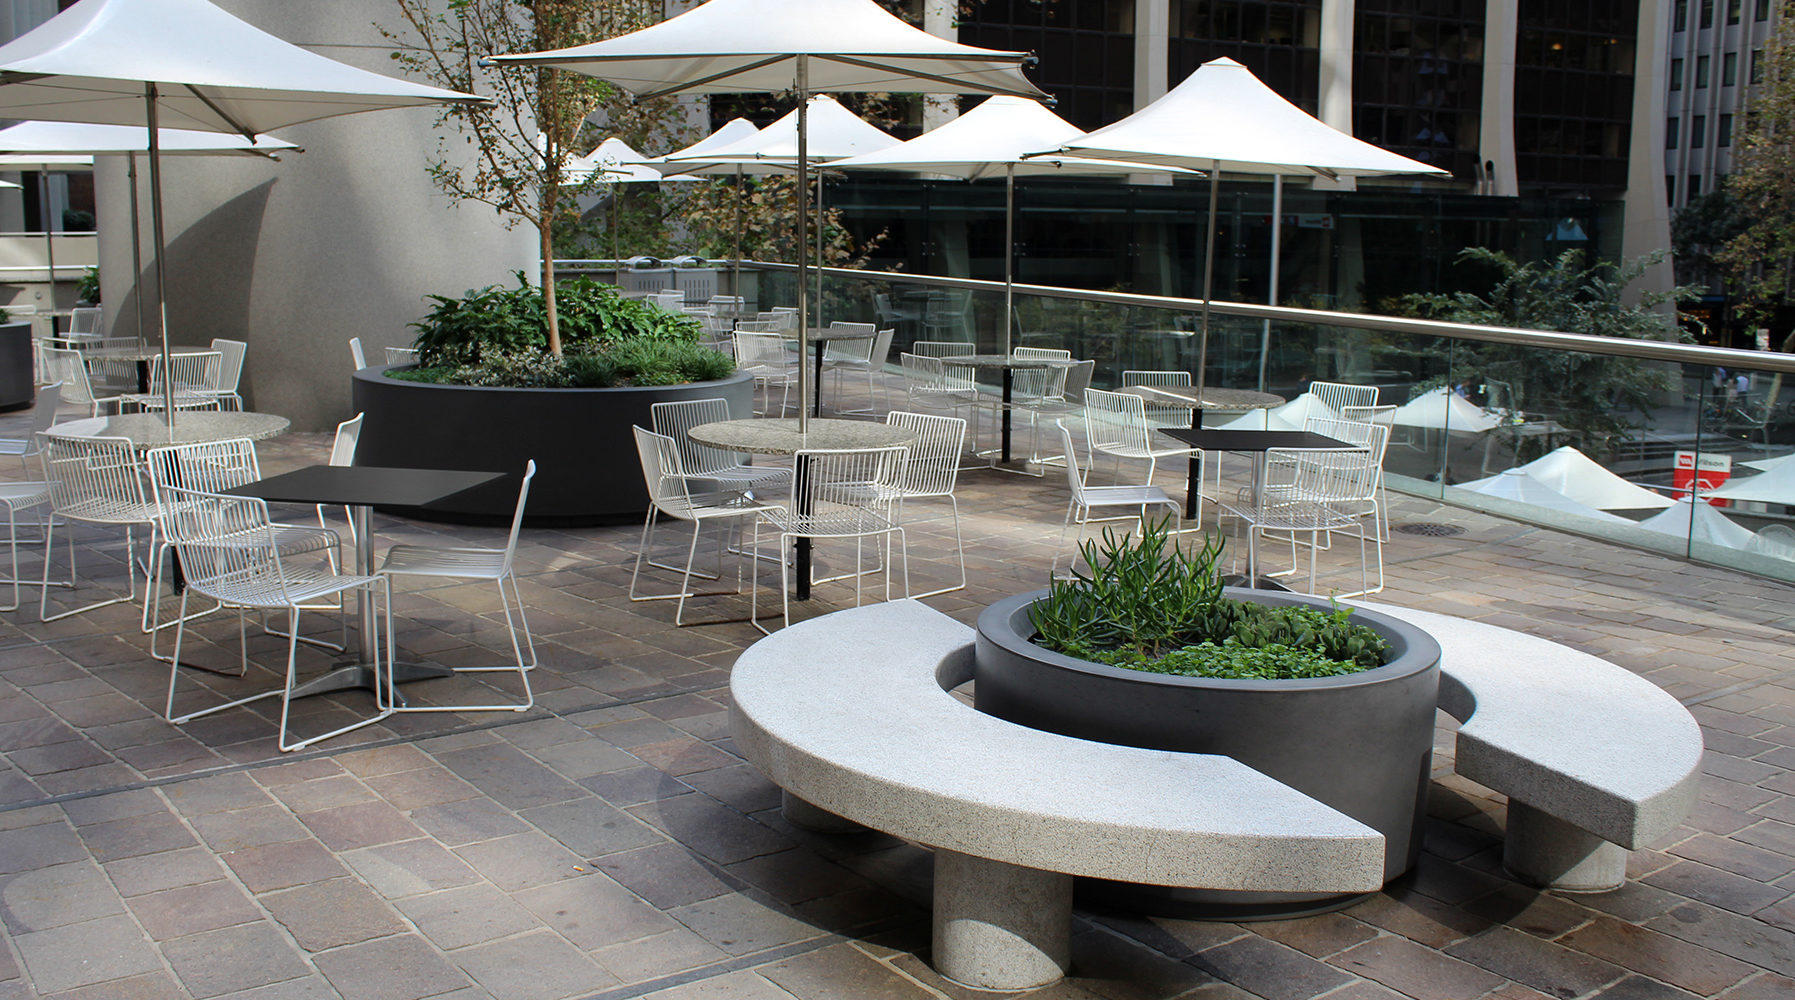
(611,844)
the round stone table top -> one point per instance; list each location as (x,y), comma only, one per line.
(150,430)
(779,436)
(1214,397)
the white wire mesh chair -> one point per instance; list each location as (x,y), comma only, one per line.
(670,299)
(84,322)
(229,553)
(1327,398)
(470,563)
(1116,424)
(99,481)
(763,356)
(66,365)
(191,378)
(780,320)
(730,470)
(342,453)
(1317,492)
(230,372)
(355,352)
(214,467)
(1161,415)
(1384,416)
(941,348)
(670,494)
(931,473)
(1086,498)
(401,355)
(726,306)
(868,358)
(1068,401)
(835,495)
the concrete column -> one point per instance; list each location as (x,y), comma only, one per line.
(1152,61)
(1496,139)
(1544,850)
(938,20)
(1335,105)
(999,926)
(1646,221)
(298,256)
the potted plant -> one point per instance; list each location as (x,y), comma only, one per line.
(1145,647)
(487,394)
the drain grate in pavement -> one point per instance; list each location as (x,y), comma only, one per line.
(1429,529)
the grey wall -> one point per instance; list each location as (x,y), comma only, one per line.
(298,256)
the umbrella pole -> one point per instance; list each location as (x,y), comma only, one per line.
(136,246)
(150,115)
(1215,174)
(819,262)
(735,270)
(1009,251)
(803,257)
(43,209)
(1277,230)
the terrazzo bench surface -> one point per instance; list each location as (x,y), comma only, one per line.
(851,714)
(1595,760)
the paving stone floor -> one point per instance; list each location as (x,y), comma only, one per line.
(608,843)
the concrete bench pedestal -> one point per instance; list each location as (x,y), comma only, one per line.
(1543,850)
(1000,926)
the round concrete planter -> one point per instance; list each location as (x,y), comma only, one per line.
(16,388)
(1361,743)
(587,471)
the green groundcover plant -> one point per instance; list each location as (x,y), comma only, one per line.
(497,336)
(1145,604)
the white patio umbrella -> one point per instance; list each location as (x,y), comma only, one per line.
(1699,521)
(73,145)
(187,63)
(771,46)
(833,132)
(1777,485)
(1581,478)
(1222,118)
(616,162)
(1513,484)
(992,140)
(1443,409)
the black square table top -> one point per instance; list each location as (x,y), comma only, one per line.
(365,485)
(1217,439)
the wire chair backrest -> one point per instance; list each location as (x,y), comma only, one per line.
(663,473)
(668,299)
(401,355)
(837,489)
(227,547)
(778,320)
(856,350)
(940,348)
(84,321)
(517,516)
(342,449)
(674,420)
(927,378)
(189,371)
(1078,379)
(1334,395)
(43,414)
(1115,420)
(66,365)
(1161,414)
(726,304)
(881,349)
(1042,354)
(1074,478)
(209,467)
(355,351)
(230,363)
(934,463)
(96,479)
(1335,475)
(1383,415)
(764,352)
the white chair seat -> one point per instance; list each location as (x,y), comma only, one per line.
(468,563)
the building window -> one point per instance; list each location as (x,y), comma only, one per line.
(1670,134)
(1707,13)
(1695,185)
(1763,11)
(1670,189)
(1732,11)
(1676,74)
(1698,128)
(1757,66)
(1724,137)
(1701,72)
(1729,69)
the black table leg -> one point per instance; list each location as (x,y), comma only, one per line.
(1195,482)
(1008,383)
(816,390)
(801,548)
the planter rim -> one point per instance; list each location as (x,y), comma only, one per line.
(1006,625)
(377,373)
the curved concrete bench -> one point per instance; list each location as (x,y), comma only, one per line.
(1594,759)
(851,713)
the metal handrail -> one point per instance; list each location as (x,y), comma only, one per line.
(1652,350)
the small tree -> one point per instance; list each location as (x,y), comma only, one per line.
(521,142)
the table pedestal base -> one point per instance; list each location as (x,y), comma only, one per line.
(364,676)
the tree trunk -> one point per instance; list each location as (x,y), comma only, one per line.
(548,287)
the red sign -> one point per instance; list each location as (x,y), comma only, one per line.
(1705,477)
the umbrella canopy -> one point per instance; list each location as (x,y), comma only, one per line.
(770,46)
(1513,484)
(734,130)
(1579,477)
(75,143)
(834,133)
(1443,409)
(1774,486)
(1709,526)
(992,140)
(617,161)
(138,62)
(1222,118)
(1766,464)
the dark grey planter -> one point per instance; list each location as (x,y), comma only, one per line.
(587,471)
(17,389)
(1362,743)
